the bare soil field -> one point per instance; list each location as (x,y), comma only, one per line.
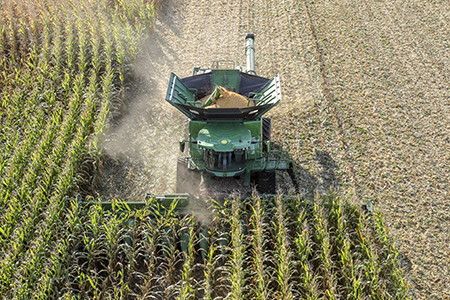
(366,107)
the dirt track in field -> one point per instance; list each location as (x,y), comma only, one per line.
(366,107)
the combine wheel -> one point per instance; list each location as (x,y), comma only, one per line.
(188,181)
(266,128)
(266,183)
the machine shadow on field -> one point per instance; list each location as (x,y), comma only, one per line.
(324,181)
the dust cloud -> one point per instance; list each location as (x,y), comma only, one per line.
(142,143)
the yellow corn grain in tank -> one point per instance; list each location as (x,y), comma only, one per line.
(228,99)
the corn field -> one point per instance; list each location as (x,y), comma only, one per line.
(286,248)
(65,66)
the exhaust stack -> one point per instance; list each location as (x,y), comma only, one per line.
(250,53)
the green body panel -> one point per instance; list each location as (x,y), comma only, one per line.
(194,128)
(255,150)
(255,128)
(178,93)
(224,136)
(270,94)
(228,79)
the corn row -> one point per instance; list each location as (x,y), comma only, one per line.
(133,249)
(19,161)
(282,255)
(13,139)
(260,274)
(324,251)
(303,243)
(350,272)
(186,289)
(168,241)
(56,270)
(93,247)
(236,263)
(114,231)
(209,270)
(65,182)
(150,231)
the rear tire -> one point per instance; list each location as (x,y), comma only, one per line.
(266,183)
(188,181)
(266,128)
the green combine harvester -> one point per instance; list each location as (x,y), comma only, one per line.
(228,142)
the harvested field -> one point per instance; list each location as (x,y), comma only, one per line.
(365,105)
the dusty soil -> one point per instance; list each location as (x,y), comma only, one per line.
(365,107)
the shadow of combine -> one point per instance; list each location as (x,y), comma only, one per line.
(324,181)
